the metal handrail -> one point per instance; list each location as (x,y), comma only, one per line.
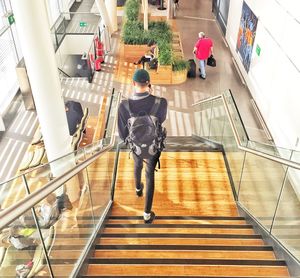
(283,161)
(19,208)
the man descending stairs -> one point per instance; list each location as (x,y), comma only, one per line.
(197,231)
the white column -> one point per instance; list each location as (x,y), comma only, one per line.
(111,7)
(170,7)
(146,10)
(65,9)
(34,35)
(104,14)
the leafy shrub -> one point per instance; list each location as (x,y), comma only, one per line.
(180,64)
(165,52)
(132,8)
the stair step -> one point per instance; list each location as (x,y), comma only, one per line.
(179,235)
(180,230)
(178,217)
(184,271)
(181,241)
(170,221)
(153,254)
(183,247)
(174,226)
(163,261)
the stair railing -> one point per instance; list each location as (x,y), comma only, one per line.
(89,190)
(266,178)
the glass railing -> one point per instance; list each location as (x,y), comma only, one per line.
(266,178)
(72,24)
(48,222)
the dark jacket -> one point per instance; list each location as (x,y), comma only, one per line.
(141,102)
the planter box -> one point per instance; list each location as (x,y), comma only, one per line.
(179,77)
(132,53)
(163,75)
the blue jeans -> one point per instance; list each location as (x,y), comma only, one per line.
(202,64)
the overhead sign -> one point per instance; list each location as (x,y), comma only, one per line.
(258,49)
(11,19)
(83,24)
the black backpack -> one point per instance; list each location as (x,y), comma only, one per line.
(146,135)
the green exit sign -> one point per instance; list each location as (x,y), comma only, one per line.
(11,19)
(258,49)
(83,24)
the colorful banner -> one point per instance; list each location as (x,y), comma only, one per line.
(246,35)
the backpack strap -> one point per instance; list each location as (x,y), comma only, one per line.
(155,106)
(127,107)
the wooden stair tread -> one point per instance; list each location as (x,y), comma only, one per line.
(240,255)
(181,241)
(183,270)
(179,230)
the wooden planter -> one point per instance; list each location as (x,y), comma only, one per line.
(179,77)
(163,75)
(132,53)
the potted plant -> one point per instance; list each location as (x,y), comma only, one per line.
(179,71)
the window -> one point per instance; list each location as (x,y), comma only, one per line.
(8,61)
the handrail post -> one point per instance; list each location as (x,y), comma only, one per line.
(113,182)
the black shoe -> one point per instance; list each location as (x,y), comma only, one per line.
(139,192)
(201,76)
(136,63)
(150,220)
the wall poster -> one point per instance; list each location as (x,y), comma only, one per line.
(246,35)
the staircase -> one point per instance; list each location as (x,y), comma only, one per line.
(196,233)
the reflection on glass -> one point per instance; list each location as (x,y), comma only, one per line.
(100,174)
(12,192)
(42,175)
(236,118)
(66,220)
(22,250)
(286,225)
(261,183)
(234,155)
(270,149)
(218,117)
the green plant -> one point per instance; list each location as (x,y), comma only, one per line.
(133,33)
(180,64)
(132,8)
(165,52)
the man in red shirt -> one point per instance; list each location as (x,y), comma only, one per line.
(203,49)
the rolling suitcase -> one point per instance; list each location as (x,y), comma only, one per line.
(192,69)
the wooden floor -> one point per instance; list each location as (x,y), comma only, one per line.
(197,231)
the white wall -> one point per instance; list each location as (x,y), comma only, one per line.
(71,45)
(274,76)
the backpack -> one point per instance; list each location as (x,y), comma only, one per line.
(153,63)
(146,135)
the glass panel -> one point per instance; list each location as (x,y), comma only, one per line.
(260,187)
(81,23)
(100,175)
(287,222)
(8,61)
(236,118)
(11,192)
(234,155)
(218,116)
(22,249)
(203,118)
(66,220)
(110,118)
(270,149)
(42,175)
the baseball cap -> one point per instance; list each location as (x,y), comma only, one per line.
(141,76)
